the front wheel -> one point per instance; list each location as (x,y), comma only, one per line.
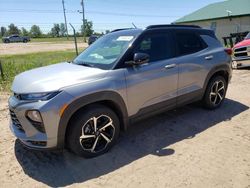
(93,131)
(215,92)
(7,41)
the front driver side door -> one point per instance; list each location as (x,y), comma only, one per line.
(151,84)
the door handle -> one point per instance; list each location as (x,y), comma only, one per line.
(209,57)
(170,66)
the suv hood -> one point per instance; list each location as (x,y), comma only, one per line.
(55,77)
(243,43)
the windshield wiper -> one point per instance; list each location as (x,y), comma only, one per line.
(86,65)
(83,64)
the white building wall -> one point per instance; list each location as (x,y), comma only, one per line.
(223,27)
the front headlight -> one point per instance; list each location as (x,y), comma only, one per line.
(38,96)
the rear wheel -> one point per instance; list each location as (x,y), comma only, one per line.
(215,92)
(25,40)
(93,131)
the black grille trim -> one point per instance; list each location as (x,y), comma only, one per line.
(15,121)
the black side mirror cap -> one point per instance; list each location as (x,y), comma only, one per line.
(139,59)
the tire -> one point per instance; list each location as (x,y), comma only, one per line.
(6,41)
(215,92)
(82,138)
(25,41)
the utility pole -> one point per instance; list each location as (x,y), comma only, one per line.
(83,20)
(65,20)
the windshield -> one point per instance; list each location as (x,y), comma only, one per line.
(248,36)
(106,50)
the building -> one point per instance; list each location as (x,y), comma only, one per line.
(230,16)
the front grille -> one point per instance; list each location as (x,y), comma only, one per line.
(15,121)
(241,52)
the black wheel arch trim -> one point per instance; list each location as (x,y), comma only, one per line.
(83,101)
(216,69)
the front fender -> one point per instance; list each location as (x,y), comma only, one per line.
(80,102)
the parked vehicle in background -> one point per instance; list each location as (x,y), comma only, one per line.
(241,53)
(15,38)
(92,39)
(124,76)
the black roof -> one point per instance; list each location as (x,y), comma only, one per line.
(171,26)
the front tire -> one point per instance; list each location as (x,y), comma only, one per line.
(7,41)
(215,92)
(93,131)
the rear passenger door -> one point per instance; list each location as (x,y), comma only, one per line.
(191,57)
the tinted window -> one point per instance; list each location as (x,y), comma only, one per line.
(189,43)
(248,36)
(157,46)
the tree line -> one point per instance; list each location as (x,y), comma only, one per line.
(58,30)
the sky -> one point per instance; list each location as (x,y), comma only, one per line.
(105,14)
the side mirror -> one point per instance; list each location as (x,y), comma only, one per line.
(139,59)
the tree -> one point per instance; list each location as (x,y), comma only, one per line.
(24,31)
(35,31)
(107,31)
(55,30)
(88,28)
(63,30)
(3,31)
(13,29)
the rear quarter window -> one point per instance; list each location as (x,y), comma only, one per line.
(189,43)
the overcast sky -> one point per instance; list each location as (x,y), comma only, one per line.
(105,14)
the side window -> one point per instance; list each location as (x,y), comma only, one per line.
(157,46)
(189,43)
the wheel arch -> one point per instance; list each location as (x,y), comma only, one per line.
(110,99)
(221,70)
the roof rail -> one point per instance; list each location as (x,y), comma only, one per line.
(120,29)
(171,25)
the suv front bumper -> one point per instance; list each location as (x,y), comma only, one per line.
(29,134)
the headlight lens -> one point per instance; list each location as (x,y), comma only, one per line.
(38,96)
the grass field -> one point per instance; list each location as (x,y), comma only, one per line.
(56,39)
(15,64)
(60,39)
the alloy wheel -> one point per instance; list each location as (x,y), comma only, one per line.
(217,93)
(97,133)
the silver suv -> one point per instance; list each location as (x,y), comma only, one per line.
(124,76)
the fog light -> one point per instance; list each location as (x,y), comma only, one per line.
(34,115)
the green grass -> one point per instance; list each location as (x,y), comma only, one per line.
(15,64)
(60,39)
(56,39)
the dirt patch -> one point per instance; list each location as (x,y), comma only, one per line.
(24,48)
(187,147)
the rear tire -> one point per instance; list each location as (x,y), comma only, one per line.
(25,41)
(93,131)
(215,92)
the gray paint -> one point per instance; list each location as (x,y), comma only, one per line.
(133,88)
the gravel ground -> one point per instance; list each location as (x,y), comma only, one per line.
(24,48)
(187,147)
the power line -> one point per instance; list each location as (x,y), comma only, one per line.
(89,12)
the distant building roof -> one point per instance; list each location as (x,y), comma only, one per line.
(233,8)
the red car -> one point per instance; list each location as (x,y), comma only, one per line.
(241,53)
